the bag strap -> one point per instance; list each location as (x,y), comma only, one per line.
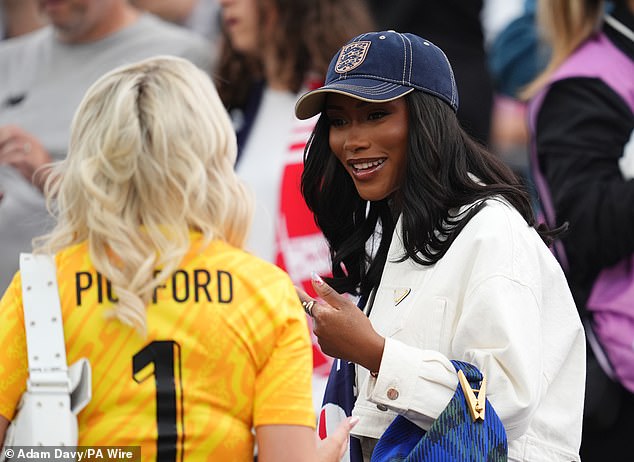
(46,351)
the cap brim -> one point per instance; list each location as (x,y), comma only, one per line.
(364,89)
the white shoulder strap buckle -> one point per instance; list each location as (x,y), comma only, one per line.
(48,370)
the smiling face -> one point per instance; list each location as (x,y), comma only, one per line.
(370,141)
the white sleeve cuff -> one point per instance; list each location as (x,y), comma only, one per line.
(415,383)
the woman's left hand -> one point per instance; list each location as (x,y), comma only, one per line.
(342,329)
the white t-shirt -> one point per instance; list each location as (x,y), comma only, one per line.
(262,163)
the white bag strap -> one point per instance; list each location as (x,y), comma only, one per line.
(48,370)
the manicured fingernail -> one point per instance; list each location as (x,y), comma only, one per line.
(353,421)
(316,278)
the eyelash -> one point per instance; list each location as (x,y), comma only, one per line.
(375,115)
(333,122)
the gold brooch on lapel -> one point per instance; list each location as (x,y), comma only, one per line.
(400,294)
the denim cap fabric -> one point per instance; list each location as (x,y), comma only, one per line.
(383,66)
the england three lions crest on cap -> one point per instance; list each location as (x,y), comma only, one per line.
(351,56)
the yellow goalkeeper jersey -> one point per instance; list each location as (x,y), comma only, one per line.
(228,349)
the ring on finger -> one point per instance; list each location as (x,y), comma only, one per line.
(308,307)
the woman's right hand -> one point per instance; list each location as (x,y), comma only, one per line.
(342,329)
(334,447)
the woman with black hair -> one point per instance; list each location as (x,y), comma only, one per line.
(437,239)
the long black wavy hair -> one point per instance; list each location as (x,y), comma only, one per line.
(440,158)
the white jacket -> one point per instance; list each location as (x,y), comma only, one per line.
(499,300)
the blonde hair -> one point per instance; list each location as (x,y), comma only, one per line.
(151,157)
(563,26)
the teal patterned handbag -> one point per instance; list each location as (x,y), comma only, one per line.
(468,429)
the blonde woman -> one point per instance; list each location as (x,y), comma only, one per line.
(582,128)
(155,289)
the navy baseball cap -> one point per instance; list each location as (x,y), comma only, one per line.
(383,66)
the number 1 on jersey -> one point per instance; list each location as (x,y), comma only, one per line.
(165,357)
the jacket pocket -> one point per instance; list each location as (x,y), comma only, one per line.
(424,323)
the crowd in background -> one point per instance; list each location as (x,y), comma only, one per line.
(262,54)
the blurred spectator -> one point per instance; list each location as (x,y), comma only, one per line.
(201,16)
(272,51)
(496,15)
(42,79)
(18,17)
(515,57)
(582,121)
(456,27)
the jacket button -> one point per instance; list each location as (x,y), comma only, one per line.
(392,393)
(381,407)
